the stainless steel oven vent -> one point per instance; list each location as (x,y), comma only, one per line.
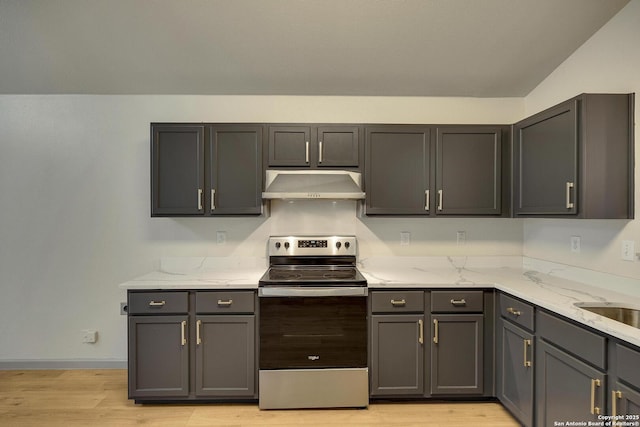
(313,184)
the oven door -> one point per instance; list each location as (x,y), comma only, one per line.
(311,332)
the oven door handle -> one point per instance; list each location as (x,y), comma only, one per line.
(342,291)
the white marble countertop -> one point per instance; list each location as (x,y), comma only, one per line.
(552,286)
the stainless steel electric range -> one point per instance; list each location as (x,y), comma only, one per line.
(313,325)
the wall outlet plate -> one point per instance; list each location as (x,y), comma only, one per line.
(221,237)
(89,336)
(575,244)
(628,250)
(461,237)
(405,238)
(124,308)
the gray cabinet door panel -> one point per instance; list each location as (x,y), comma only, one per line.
(546,159)
(468,177)
(457,353)
(290,146)
(397,168)
(338,146)
(397,356)
(158,356)
(177,170)
(225,356)
(627,402)
(564,387)
(515,371)
(235,170)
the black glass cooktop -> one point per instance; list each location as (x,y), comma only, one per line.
(301,275)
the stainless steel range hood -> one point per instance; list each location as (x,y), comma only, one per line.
(312,184)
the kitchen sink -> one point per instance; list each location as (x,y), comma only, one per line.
(615,311)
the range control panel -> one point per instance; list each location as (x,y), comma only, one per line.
(312,245)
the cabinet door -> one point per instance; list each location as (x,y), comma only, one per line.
(625,401)
(235,170)
(545,162)
(397,355)
(468,170)
(338,146)
(158,356)
(398,167)
(457,354)
(225,356)
(515,371)
(290,146)
(177,170)
(566,388)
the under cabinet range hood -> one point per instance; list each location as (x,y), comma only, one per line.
(313,184)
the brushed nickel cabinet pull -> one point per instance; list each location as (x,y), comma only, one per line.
(435,331)
(439,200)
(398,303)
(527,363)
(594,409)
(569,187)
(426,200)
(306,151)
(199,199)
(157,303)
(183,333)
(458,302)
(513,311)
(213,199)
(420,331)
(319,151)
(198,325)
(615,395)
(225,303)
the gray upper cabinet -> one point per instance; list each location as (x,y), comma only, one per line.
(576,159)
(314,146)
(468,170)
(220,177)
(177,170)
(398,170)
(235,170)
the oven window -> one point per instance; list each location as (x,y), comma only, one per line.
(313,332)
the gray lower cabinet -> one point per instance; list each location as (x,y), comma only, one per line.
(225,357)
(576,159)
(624,382)
(158,357)
(571,371)
(457,349)
(625,402)
(206,352)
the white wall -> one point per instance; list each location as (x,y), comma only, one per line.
(74,223)
(608,62)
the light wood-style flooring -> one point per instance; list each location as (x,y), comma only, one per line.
(99,397)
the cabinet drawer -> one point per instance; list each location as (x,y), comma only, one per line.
(583,343)
(158,302)
(397,301)
(456,301)
(516,311)
(224,302)
(627,363)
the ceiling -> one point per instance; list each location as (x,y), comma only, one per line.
(476,48)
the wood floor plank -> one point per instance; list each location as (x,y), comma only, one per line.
(99,398)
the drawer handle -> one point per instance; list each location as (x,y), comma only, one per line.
(224,303)
(458,302)
(527,363)
(198,325)
(513,311)
(420,331)
(398,303)
(157,303)
(594,409)
(568,195)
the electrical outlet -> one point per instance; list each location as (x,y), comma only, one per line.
(89,336)
(221,237)
(628,250)
(405,238)
(461,237)
(124,308)
(575,244)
